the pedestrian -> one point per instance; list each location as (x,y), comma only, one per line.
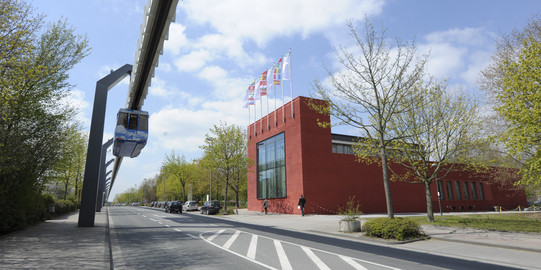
(302,202)
(265,205)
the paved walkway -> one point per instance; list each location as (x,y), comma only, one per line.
(60,244)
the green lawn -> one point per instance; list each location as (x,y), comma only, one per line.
(519,222)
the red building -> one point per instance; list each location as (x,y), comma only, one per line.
(295,156)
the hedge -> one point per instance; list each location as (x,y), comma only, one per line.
(398,228)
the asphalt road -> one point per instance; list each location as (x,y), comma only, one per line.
(144,238)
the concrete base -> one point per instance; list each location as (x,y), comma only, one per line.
(350,226)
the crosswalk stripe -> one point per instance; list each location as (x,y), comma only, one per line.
(320,264)
(353,263)
(216,234)
(252,248)
(232,239)
(284,261)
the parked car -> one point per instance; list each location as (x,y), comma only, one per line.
(190,206)
(210,207)
(173,207)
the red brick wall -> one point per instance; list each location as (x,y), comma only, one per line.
(327,180)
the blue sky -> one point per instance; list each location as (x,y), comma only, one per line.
(217,48)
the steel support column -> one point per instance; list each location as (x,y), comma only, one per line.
(103,167)
(87,214)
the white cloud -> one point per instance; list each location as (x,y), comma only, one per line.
(458,54)
(159,88)
(177,39)
(76,99)
(193,61)
(261,21)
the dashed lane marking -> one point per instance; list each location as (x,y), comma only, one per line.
(284,261)
(216,234)
(229,242)
(253,247)
(320,264)
(353,263)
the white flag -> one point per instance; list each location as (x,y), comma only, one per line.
(286,67)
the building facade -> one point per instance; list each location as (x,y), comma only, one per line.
(295,156)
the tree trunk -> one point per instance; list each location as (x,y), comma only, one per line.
(183,191)
(429,210)
(386,184)
(225,195)
(66,185)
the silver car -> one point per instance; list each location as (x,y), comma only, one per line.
(190,206)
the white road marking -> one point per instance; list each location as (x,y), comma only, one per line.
(249,259)
(167,225)
(178,230)
(216,234)
(160,222)
(154,219)
(192,236)
(320,264)
(284,261)
(253,247)
(353,263)
(144,216)
(232,239)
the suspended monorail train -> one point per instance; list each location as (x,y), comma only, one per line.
(131,133)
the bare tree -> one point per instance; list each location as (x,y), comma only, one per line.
(369,92)
(435,137)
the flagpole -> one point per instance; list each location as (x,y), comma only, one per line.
(284,103)
(261,119)
(291,84)
(248,134)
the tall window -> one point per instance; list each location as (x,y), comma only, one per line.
(481,191)
(271,168)
(457,190)
(449,190)
(465,188)
(473,191)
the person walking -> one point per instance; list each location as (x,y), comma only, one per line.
(265,205)
(302,203)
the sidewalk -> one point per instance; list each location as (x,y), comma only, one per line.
(520,250)
(58,244)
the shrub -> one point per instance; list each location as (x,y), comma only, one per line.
(351,211)
(398,228)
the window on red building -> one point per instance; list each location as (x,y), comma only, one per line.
(449,190)
(271,168)
(457,190)
(481,191)
(465,188)
(473,191)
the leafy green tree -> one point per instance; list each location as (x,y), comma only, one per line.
(69,170)
(519,103)
(34,68)
(226,154)
(434,139)
(370,90)
(509,47)
(176,166)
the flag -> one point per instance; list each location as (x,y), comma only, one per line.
(263,83)
(257,92)
(249,98)
(286,67)
(270,86)
(277,76)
